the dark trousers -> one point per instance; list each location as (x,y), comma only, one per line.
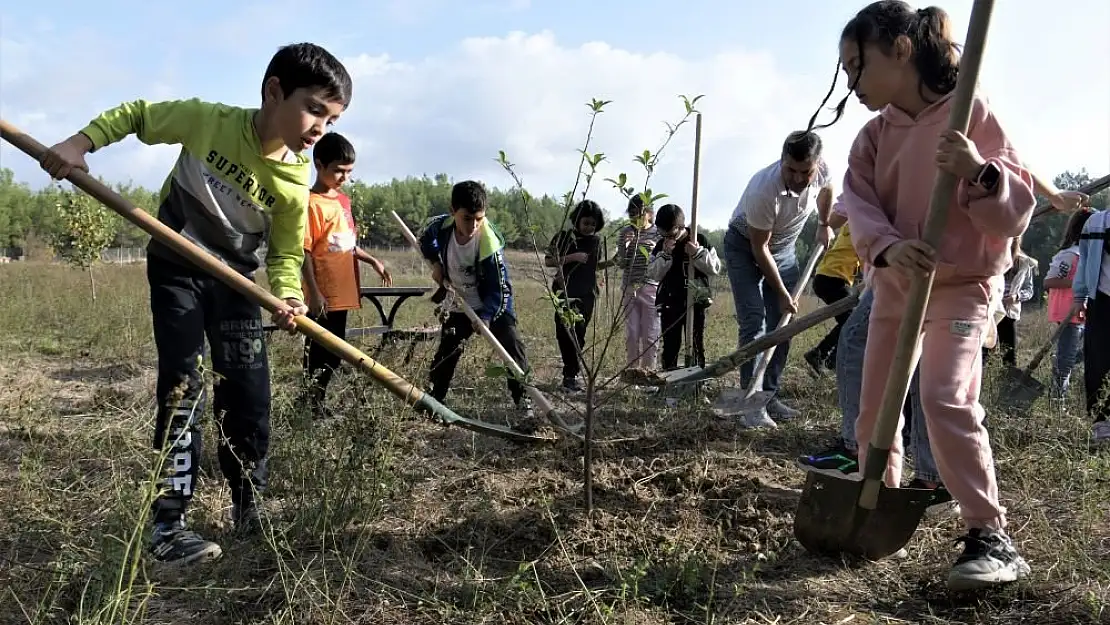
(1096,357)
(187,305)
(452,336)
(673,321)
(572,339)
(1007,342)
(830,290)
(320,363)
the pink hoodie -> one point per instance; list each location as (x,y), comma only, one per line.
(891,169)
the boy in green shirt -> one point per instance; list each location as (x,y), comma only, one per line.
(240,183)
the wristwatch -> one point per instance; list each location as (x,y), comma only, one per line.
(988,177)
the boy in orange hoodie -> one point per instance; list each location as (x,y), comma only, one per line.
(904,63)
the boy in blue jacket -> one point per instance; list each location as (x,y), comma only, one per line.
(467,252)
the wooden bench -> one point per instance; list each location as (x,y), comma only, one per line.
(390,335)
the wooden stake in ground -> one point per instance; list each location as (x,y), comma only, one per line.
(690,272)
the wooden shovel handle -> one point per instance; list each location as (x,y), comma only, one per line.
(690,271)
(944,186)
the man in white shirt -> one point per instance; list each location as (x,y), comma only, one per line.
(760,255)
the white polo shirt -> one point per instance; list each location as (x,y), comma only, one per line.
(768,205)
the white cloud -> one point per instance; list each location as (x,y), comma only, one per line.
(526,94)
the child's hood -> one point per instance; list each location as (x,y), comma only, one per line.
(490,240)
(935,113)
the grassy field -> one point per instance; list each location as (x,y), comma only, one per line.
(382,517)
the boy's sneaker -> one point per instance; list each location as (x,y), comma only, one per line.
(247,519)
(816,364)
(177,546)
(1100,432)
(776,409)
(838,461)
(572,385)
(527,420)
(944,504)
(989,559)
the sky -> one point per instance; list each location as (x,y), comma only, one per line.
(444,86)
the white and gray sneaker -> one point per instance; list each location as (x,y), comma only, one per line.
(761,419)
(776,409)
(989,559)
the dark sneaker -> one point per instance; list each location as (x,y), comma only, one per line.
(816,364)
(837,461)
(246,518)
(177,546)
(989,559)
(944,503)
(572,385)
(526,419)
(778,410)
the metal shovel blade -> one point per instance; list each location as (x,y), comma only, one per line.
(1018,390)
(686,375)
(829,519)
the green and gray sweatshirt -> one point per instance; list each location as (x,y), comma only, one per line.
(222,194)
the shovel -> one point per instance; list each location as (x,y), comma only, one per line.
(752,408)
(838,515)
(395,384)
(723,365)
(1017,388)
(548,410)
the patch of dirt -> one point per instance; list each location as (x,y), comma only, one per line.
(71,386)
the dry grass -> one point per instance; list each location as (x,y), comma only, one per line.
(384,518)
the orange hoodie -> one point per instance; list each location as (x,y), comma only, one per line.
(891,169)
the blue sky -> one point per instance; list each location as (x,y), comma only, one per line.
(442,86)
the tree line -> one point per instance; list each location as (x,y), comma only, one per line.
(28,216)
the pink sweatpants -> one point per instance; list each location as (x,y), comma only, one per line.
(951,374)
(642,329)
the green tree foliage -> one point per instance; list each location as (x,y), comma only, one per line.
(84,230)
(26,213)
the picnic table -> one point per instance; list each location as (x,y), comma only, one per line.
(386,329)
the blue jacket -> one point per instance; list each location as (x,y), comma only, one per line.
(1091,248)
(494,286)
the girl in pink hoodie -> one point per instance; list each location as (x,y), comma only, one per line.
(904,63)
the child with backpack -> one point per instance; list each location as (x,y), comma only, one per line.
(467,252)
(670,263)
(635,244)
(574,254)
(1058,280)
(1017,289)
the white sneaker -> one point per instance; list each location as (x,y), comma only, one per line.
(989,559)
(778,410)
(758,420)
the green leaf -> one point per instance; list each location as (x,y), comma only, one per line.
(597,105)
